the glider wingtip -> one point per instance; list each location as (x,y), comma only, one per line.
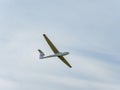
(43,34)
(70,66)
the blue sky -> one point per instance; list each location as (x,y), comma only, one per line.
(88,29)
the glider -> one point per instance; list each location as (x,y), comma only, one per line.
(56,52)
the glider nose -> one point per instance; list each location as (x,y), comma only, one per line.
(66,53)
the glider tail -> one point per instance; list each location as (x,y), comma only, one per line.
(41,54)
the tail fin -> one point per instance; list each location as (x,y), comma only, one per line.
(41,54)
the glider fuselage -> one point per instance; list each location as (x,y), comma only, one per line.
(56,55)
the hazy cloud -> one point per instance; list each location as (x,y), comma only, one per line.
(89,30)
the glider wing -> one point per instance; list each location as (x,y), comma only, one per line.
(65,61)
(54,49)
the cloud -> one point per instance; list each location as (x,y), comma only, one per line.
(88,31)
(6,84)
(77,83)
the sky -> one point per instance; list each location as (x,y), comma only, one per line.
(88,29)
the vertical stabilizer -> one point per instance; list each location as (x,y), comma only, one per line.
(41,54)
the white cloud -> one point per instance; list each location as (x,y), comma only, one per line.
(92,68)
(6,84)
(78,83)
(70,25)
